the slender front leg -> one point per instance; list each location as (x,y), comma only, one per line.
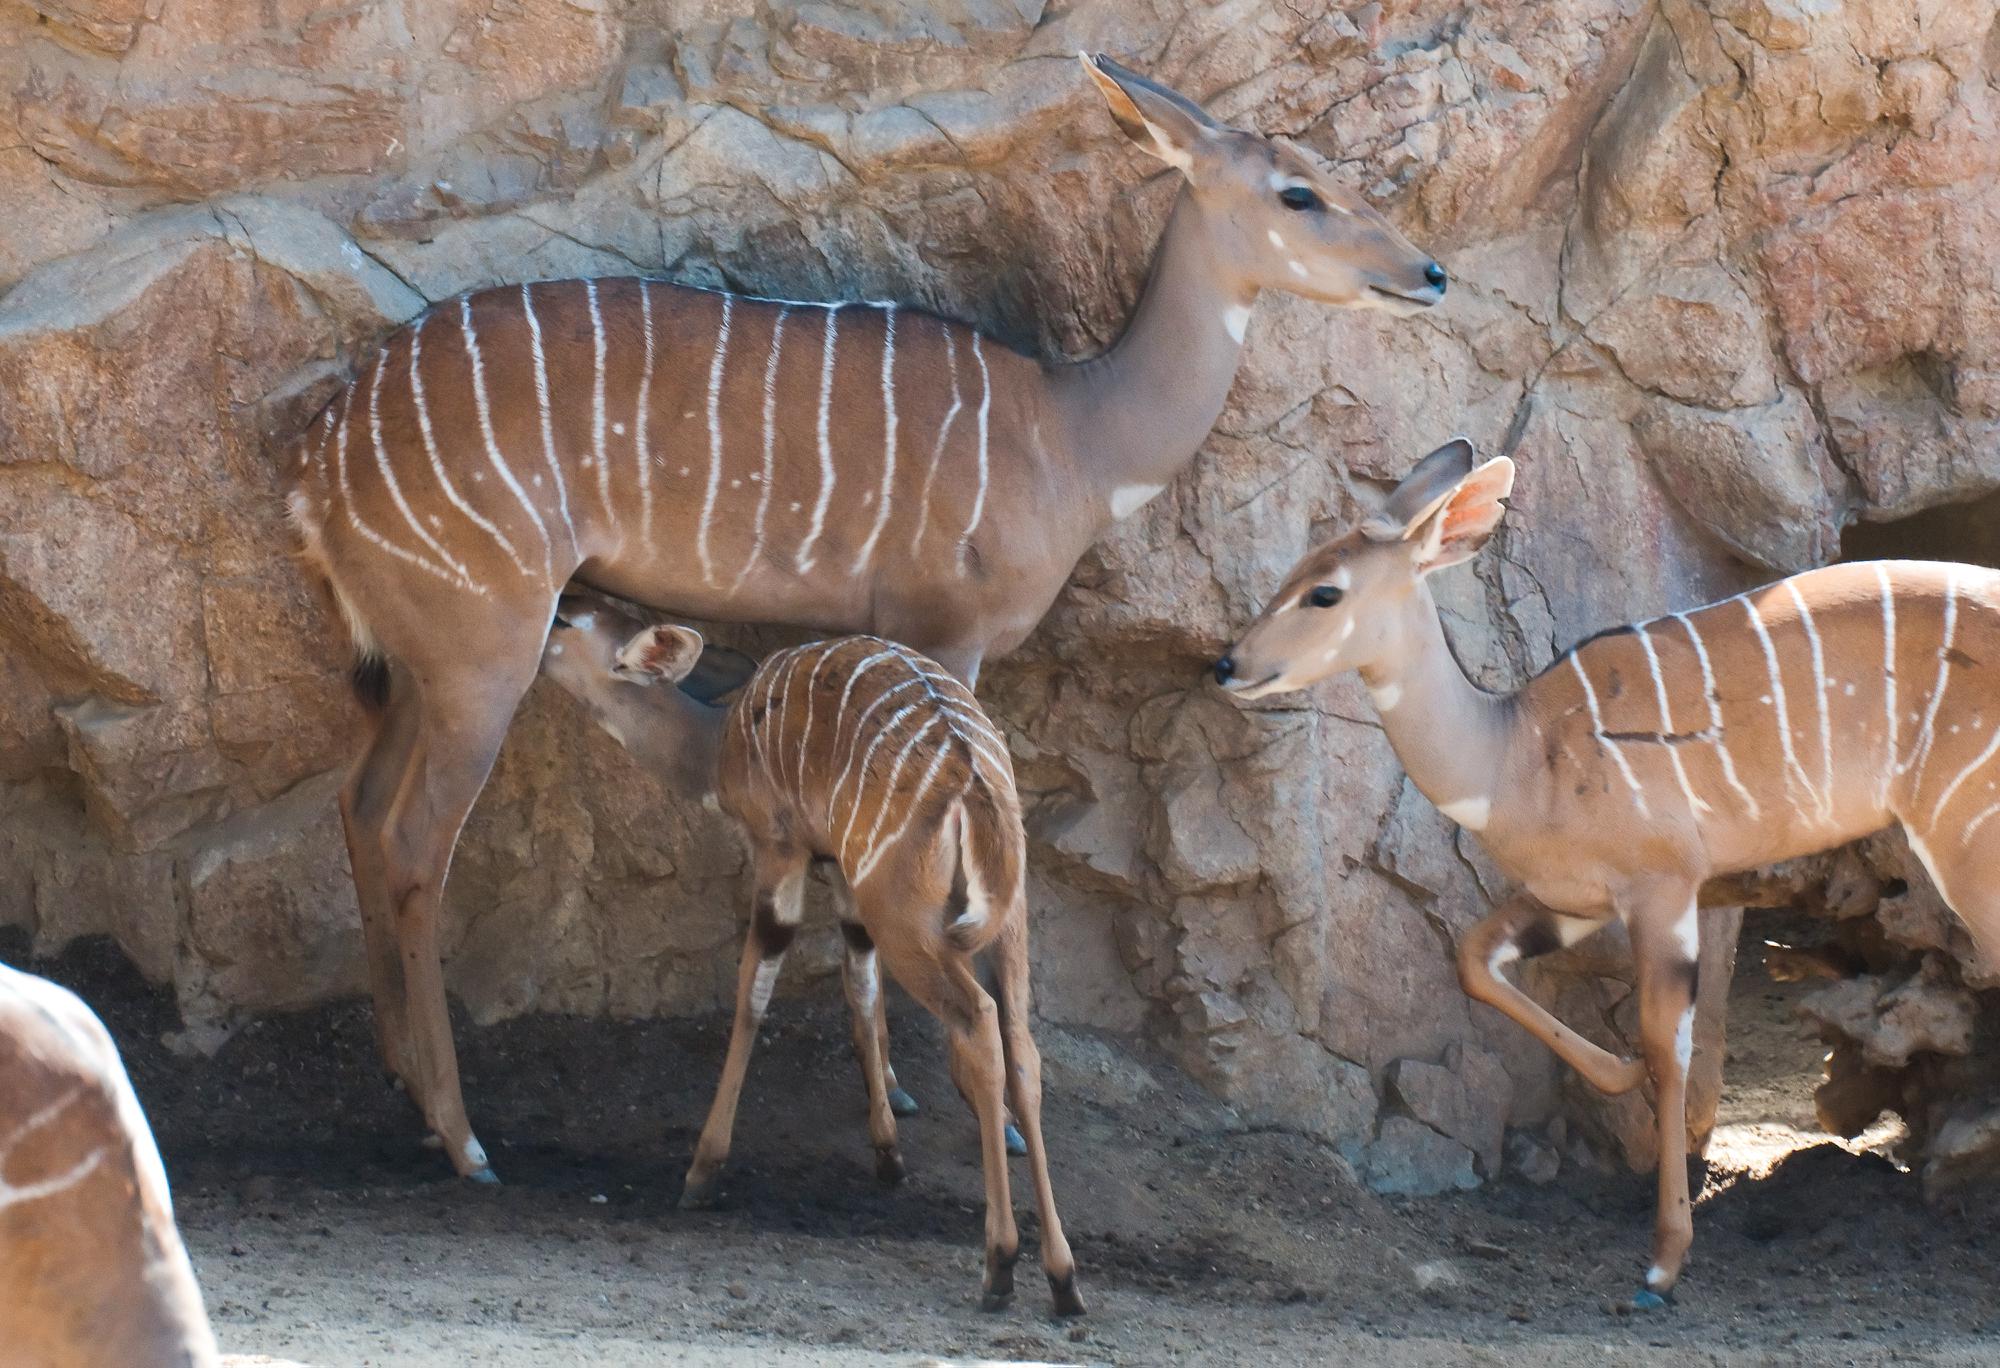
(779,879)
(862,979)
(1522,928)
(1666,948)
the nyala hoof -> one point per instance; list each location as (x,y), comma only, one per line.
(901,1103)
(698,1194)
(996,1301)
(1063,1289)
(888,1166)
(484,1176)
(1646,1299)
(1016,1146)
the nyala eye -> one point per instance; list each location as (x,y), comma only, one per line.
(1323,596)
(1298,197)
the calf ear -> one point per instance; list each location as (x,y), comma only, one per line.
(1467,517)
(1421,493)
(659,655)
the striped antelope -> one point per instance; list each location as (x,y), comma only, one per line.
(839,466)
(1783,721)
(861,752)
(92,1272)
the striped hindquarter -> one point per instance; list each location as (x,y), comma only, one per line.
(1782,721)
(859,747)
(684,446)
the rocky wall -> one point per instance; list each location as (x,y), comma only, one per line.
(1724,281)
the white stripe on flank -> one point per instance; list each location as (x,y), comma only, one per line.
(785,716)
(368,533)
(1888,681)
(812,698)
(937,447)
(1610,746)
(777,672)
(1793,769)
(1695,805)
(854,752)
(542,397)
(1992,745)
(1819,691)
(1715,717)
(597,410)
(1965,837)
(639,451)
(911,809)
(715,366)
(979,496)
(840,714)
(889,789)
(893,791)
(451,493)
(770,448)
(888,439)
(805,557)
(1927,732)
(395,489)
(493,455)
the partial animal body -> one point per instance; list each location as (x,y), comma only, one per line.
(843,467)
(92,1270)
(1782,721)
(862,753)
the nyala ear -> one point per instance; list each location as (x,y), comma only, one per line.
(658,655)
(1162,122)
(1421,493)
(1467,517)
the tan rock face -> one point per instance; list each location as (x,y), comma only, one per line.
(1723,282)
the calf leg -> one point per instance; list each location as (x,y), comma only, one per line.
(1521,927)
(941,979)
(862,979)
(778,875)
(1024,1077)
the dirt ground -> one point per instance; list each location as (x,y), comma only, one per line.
(323,1233)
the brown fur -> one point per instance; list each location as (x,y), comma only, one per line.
(1650,759)
(864,753)
(743,460)
(92,1271)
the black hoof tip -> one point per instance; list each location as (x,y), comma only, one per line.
(1064,1291)
(1016,1146)
(698,1196)
(889,1166)
(484,1177)
(1646,1299)
(995,1301)
(901,1103)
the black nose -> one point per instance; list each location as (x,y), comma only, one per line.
(1434,273)
(1225,670)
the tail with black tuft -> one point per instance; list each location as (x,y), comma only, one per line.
(370,677)
(987,884)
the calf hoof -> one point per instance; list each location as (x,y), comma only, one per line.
(698,1194)
(1016,1146)
(1646,1299)
(901,1103)
(889,1165)
(484,1176)
(1063,1289)
(999,1289)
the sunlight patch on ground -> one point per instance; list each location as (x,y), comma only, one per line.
(1752,1149)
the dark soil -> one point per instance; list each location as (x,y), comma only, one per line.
(324,1232)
